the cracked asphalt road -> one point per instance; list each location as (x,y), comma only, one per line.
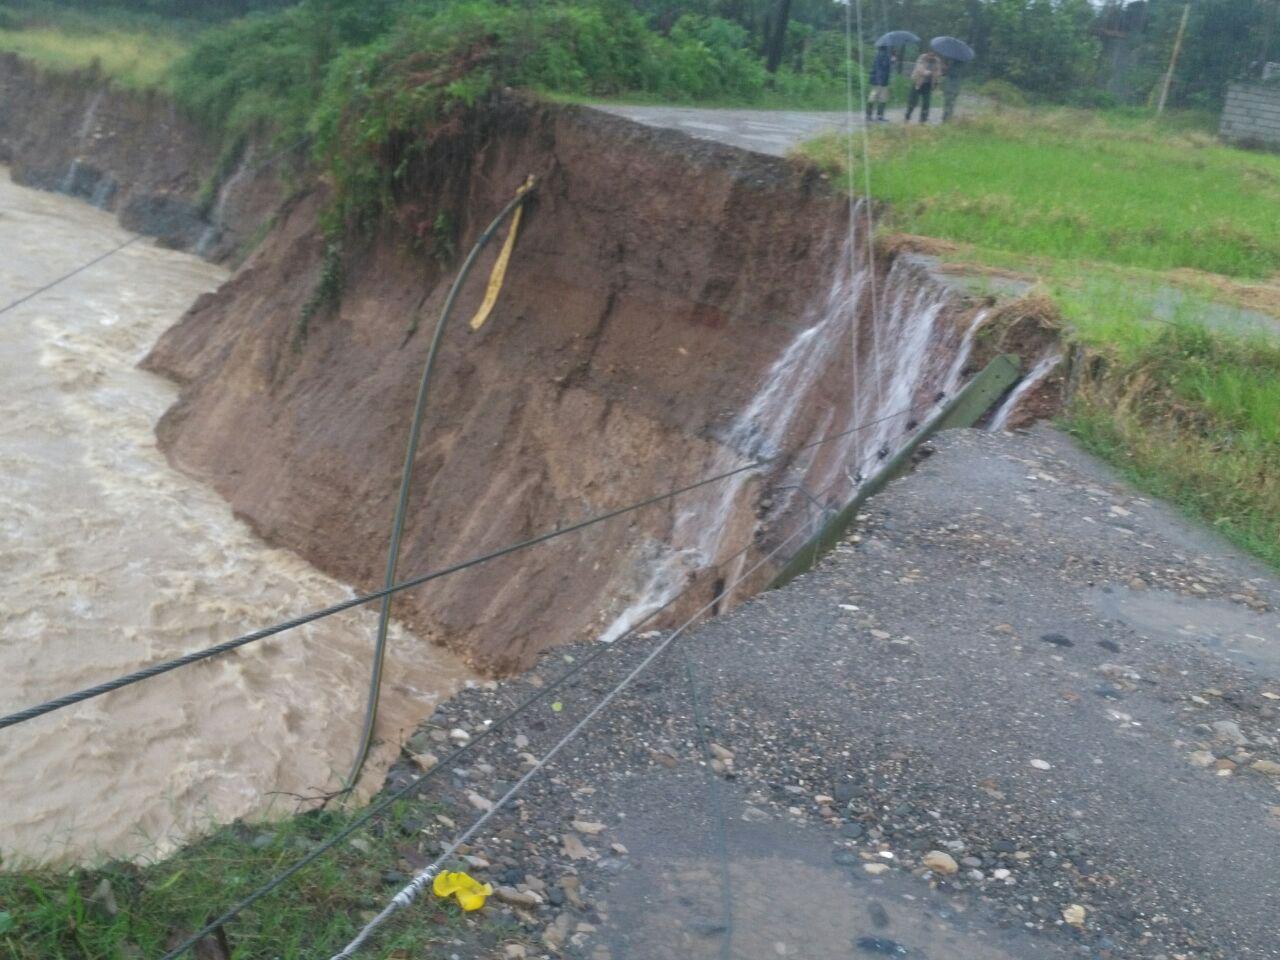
(1021,712)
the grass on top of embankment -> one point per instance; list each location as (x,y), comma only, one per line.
(1194,417)
(133,50)
(1161,249)
(1081,185)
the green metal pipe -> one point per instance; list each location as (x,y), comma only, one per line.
(406,482)
(963,410)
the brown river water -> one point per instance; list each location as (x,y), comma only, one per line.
(110,560)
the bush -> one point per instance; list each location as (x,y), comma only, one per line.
(1002,93)
(708,59)
(1091,98)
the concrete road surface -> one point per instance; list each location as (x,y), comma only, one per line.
(773,132)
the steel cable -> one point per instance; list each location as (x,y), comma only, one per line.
(155,670)
(448,762)
(415,886)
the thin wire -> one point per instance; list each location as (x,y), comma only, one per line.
(414,888)
(866,173)
(122,245)
(447,763)
(146,673)
(852,217)
(70,273)
(412,787)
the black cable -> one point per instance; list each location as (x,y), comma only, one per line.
(602,649)
(448,762)
(89,693)
(126,243)
(406,480)
(67,276)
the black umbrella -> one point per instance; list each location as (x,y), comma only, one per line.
(951,48)
(897,38)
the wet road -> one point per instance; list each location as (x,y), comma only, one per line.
(774,132)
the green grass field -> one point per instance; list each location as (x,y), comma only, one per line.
(1080,185)
(1161,249)
(134,51)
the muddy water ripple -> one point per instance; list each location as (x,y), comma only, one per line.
(110,560)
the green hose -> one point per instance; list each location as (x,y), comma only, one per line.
(406,480)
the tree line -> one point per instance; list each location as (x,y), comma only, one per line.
(1069,51)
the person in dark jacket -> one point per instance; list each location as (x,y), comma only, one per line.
(881,69)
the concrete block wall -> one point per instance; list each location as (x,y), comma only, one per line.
(1252,113)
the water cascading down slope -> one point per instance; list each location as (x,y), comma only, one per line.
(716,311)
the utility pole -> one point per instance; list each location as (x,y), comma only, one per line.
(1173,59)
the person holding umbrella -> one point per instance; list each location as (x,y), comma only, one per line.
(928,71)
(888,51)
(881,70)
(955,53)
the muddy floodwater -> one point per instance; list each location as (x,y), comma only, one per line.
(110,560)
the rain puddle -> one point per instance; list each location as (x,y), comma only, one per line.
(1249,639)
(789,897)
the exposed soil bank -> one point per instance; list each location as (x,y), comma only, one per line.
(132,153)
(657,283)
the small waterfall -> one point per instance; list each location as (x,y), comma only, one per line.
(102,193)
(90,116)
(914,356)
(217,217)
(1038,373)
(951,383)
(71,181)
(68,184)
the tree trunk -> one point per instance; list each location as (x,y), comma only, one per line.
(777,37)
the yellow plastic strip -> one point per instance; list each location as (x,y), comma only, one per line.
(499,272)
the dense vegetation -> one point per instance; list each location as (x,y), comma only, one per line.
(1064,50)
(208,10)
(356,75)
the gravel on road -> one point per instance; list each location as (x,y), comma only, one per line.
(1020,712)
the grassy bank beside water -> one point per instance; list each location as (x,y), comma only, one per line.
(132,49)
(127,911)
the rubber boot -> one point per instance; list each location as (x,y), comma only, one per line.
(879,112)
(868,111)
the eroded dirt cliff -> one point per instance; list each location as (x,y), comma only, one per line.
(655,283)
(135,153)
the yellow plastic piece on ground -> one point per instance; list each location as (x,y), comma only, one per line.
(471,893)
(500,265)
